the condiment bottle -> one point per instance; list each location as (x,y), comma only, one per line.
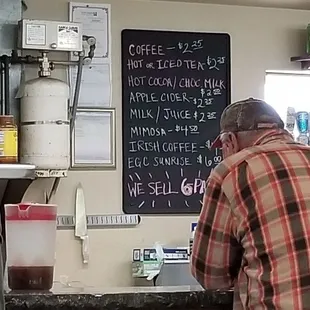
(8,140)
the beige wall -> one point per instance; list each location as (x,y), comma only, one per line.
(261,39)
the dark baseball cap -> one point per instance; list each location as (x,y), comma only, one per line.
(247,115)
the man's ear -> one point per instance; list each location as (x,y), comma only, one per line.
(234,141)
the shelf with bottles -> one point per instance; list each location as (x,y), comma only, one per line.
(304,61)
(17,171)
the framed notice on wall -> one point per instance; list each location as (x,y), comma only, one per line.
(175,86)
(93,139)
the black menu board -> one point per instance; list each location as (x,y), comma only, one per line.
(175,86)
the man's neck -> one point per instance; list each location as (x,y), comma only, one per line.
(273,136)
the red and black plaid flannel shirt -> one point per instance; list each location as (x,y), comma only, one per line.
(253,233)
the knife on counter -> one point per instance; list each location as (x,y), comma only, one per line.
(81,231)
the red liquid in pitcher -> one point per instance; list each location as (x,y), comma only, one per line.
(30,278)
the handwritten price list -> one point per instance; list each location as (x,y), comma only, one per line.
(175,87)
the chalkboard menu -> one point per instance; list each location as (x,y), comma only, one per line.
(175,86)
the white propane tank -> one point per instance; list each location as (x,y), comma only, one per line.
(45,127)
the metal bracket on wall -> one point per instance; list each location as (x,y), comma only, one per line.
(100,221)
(24,6)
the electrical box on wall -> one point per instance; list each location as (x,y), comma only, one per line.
(49,35)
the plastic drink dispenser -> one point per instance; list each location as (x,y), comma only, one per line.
(30,242)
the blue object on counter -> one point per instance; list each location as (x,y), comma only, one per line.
(302,122)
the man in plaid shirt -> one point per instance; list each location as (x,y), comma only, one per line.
(253,232)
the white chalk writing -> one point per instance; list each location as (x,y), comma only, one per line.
(174,94)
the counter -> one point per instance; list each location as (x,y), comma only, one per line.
(159,298)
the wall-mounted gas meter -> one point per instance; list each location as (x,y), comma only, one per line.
(39,140)
(44,112)
(49,35)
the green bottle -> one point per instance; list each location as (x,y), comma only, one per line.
(308,39)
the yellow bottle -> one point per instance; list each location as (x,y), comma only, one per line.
(8,140)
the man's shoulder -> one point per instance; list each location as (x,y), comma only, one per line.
(230,164)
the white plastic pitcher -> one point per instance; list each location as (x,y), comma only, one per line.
(30,242)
